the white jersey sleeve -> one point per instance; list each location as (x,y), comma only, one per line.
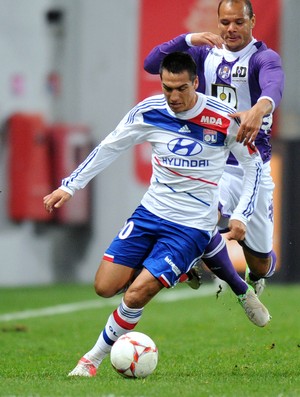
(129,132)
(249,158)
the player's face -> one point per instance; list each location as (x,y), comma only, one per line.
(235,25)
(179,90)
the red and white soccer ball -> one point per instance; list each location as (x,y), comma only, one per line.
(134,355)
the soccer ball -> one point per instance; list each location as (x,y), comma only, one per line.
(134,355)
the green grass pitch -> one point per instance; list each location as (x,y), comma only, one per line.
(207,346)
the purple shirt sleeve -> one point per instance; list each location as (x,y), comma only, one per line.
(270,75)
(198,53)
(154,58)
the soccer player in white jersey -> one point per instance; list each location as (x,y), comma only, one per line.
(191,135)
(243,72)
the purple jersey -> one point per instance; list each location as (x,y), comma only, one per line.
(237,78)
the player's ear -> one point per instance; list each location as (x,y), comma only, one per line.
(196,82)
(253,20)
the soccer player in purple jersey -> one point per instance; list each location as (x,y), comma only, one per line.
(241,71)
(191,135)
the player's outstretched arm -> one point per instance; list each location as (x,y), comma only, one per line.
(55,199)
(184,42)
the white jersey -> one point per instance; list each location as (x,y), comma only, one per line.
(189,153)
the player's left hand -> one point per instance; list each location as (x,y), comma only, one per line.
(237,230)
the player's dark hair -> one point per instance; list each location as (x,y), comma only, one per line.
(247,3)
(179,62)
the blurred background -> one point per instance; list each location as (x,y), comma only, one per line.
(69,71)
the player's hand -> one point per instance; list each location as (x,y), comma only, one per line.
(237,230)
(249,127)
(211,39)
(55,199)
(252,120)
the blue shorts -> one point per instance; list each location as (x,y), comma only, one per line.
(167,249)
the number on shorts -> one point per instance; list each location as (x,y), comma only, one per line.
(127,229)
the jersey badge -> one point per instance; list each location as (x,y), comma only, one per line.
(209,136)
(224,72)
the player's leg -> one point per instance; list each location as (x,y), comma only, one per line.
(188,244)
(111,278)
(260,266)
(257,246)
(143,288)
(160,270)
(259,269)
(216,258)
(124,255)
(258,243)
(122,320)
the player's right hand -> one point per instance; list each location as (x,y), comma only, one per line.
(55,199)
(237,230)
(211,39)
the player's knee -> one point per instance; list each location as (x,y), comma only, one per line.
(259,272)
(138,295)
(132,298)
(260,266)
(103,290)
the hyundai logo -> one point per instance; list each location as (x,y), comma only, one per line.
(185,147)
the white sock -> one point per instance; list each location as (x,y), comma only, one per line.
(121,321)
